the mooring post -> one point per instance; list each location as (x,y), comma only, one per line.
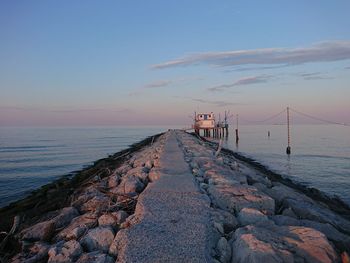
(237,138)
(288,150)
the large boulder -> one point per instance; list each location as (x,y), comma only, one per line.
(65,252)
(316,212)
(77,227)
(235,197)
(65,216)
(96,204)
(99,238)
(271,243)
(107,220)
(42,231)
(95,257)
(129,185)
(341,240)
(120,216)
(248,216)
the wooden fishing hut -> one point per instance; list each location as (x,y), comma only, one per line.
(206,122)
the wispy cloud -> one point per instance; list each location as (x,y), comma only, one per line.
(159,84)
(218,103)
(348,67)
(320,52)
(67,110)
(314,76)
(242,82)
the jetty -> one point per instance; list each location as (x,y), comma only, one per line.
(178,199)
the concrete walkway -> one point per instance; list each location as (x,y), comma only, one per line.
(173,221)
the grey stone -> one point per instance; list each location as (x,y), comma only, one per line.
(249,216)
(96,204)
(77,227)
(113,181)
(120,216)
(129,185)
(42,231)
(65,252)
(235,197)
(99,238)
(271,243)
(224,250)
(65,216)
(107,220)
(95,257)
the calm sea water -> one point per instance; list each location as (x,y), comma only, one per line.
(32,157)
(320,155)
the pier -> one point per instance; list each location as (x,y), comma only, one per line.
(179,199)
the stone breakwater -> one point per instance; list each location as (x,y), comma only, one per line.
(176,201)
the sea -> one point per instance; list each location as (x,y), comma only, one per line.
(34,156)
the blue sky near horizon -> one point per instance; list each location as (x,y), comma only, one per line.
(155,62)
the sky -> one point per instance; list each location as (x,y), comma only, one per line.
(157,62)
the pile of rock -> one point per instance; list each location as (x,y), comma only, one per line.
(261,220)
(84,231)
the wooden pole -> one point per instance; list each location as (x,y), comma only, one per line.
(288,150)
(237,137)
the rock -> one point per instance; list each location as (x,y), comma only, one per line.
(113,181)
(224,250)
(149,164)
(64,252)
(120,216)
(280,192)
(95,257)
(315,212)
(289,212)
(97,204)
(271,243)
(77,227)
(99,238)
(341,240)
(89,193)
(37,252)
(228,220)
(154,174)
(107,220)
(129,185)
(65,217)
(138,172)
(219,227)
(235,197)
(248,216)
(42,231)
(76,232)
(123,169)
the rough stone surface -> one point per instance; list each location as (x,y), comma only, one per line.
(99,238)
(65,252)
(95,257)
(235,197)
(77,227)
(107,220)
(65,216)
(120,216)
(249,216)
(42,231)
(224,250)
(271,243)
(129,185)
(96,204)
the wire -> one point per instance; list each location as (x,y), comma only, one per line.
(269,118)
(319,119)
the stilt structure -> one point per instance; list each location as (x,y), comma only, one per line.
(288,150)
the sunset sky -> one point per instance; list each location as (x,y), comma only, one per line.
(156,62)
